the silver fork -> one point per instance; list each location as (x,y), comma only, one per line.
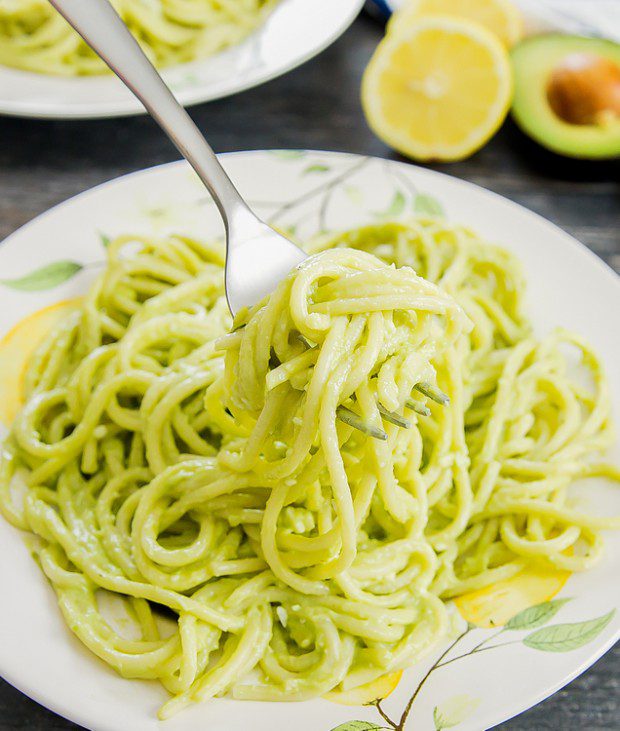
(257,257)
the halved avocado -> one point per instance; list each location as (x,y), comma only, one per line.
(567,94)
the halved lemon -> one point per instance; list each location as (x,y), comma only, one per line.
(501,17)
(496,604)
(17,347)
(363,695)
(439,89)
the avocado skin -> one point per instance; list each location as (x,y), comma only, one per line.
(534,61)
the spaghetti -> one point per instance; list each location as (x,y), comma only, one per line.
(34,37)
(297,493)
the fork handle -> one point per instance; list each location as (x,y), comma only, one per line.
(101,27)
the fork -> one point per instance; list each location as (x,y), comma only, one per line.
(257,257)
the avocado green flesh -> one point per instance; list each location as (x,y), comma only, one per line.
(534,60)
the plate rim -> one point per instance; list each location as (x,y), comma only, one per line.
(491,718)
(131,107)
(605,268)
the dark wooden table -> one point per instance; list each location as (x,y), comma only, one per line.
(317,106)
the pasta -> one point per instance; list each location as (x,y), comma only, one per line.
(299,492)
(34,37)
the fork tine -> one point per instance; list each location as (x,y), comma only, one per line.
(352,419)
(433,393)
(394,418)
(418,407)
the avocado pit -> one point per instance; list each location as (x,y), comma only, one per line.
(584,89)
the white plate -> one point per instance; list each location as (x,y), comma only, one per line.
(294,32)
(568,286)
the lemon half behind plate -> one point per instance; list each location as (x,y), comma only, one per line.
(501,17)
(439,89)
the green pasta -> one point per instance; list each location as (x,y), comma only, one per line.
(34,37)
(298,495)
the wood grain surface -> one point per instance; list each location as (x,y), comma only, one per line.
(317,106)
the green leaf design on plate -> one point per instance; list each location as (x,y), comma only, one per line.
(535,616)
(454,711)
(105,240)
(354,194)
(427,205)
(396,207)
(566,637)
(316,169)
(184,82)
(289,154)
(358,726)
(44,278)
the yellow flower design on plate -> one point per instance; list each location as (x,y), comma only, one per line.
(496,604)
(17,347)
(364,695)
